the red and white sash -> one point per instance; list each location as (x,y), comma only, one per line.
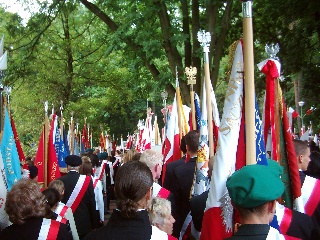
(102,169)
(159,191)
(95,181)
(49,230)
(61,219)
(310,194)
(78,192)
(61,209)
(118,159)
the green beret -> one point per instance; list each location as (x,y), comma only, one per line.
(103,155)
(89,150)
(254,185)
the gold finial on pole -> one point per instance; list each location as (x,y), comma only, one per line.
(191,73)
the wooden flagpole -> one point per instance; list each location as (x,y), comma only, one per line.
(61,121)
(71,135)
(180,117)
(191,75)
(249,82)
(204,38)
(46,143)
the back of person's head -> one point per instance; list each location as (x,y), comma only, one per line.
(52,196)
(33,171)
(136,157)
(86,168)
(300,147)
(183,146)
(133,181)
(159,210)
(95,160)
(313,169)
(192,140)
(151,158)
(25,200)
(127,156)
(58,185)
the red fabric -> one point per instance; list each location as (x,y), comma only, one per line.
(95,182)
(53,169)
(176,155)
(81,193)
(241,149)
(101,141)
(39,159)
(171,237)
(18,144)
(286,221)
(53,230)
(291,156)
(63,211)
(212,226)
(271,72)
(295,114)
(163,193)
(314,199)
(309,111)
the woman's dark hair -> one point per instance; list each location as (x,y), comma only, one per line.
(133,181)
(25,200)
(52,196)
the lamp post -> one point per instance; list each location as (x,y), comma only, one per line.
(301,103)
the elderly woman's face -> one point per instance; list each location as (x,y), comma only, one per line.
(168,225)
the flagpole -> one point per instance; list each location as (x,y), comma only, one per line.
(46,142)
(72,135)
(61,121)
(249,82)
(178,105)
(191,75)
(204,38)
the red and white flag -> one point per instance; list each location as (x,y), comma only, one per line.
(172,142)
(216,223)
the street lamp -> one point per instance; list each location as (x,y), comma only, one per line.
(301,103)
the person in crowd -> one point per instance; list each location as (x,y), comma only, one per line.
(63,210)
(309,189)
(127,156)
(130,220)
(256,207)
(26,208)
(33,173)
(303,157)
(182,182)
(169,172)
(160,215)
(313,169)
(136,156)
(79,196)
(86,169)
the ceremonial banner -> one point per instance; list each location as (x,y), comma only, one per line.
(18,144)
(214,225)
(197,110)
(10,156)
(4,219)
(172,142)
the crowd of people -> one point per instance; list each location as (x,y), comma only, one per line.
(153,200)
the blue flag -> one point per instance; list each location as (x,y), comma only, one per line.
(197,110)
(9,153)
(66,142)
(60,149)
(261,156)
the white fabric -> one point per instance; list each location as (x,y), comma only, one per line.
(44,230)
(76,190)
(274,234)
(307,189)
(157,234)
(99,198)
(69,216)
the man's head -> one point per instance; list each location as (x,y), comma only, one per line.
(192,142)
(302,154)
(254,188)
(73,162)
(153,160)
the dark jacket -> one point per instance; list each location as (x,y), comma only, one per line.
(137,228)
(251,232)
(181,187)
(30,231)
(169,175)
(84,215)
